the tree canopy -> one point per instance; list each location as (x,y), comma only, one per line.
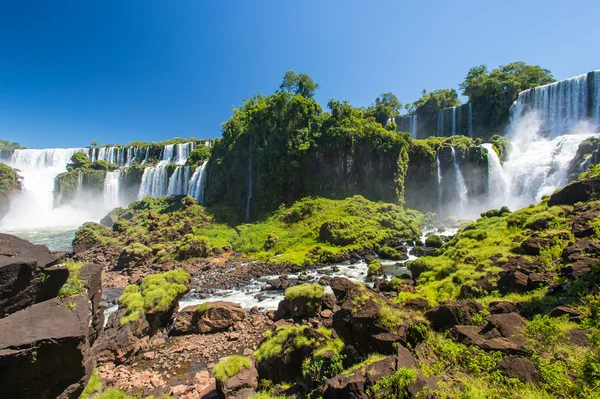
(300,84)
(387,106)
(434,101)
(493,92)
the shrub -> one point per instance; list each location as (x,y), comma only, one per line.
(231,366)
(74,285)
(434,241)
(496,212)
(273,346)
(396,385)
(156,293)
(546,331)
(395,283)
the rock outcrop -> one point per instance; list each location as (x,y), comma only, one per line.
(45,343)
(208,318)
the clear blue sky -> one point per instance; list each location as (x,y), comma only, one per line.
(117,71)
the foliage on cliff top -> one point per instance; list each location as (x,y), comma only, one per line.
(310,230)
(9,180)
(8,145)
(231,366)
(155,293)
(492,92)
(434,101)
(290,149)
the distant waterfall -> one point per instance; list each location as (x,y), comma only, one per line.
(155,180)
(178,183)
(248,215)
(563,105)
(455,120)
(461,187)
(408,123)
(34,206)
(497,181)
(198,183)
(120,156)
(112,184)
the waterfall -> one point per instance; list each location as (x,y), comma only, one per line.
(198,183)
(497,179)
(563,105)
(112,183)
(440,127)
(178,183)
(34,206)
(454,121)
(155,180)
(461,187)
(249,182)
(413,126)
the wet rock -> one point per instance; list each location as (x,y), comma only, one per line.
(207,318)
(453,313)
(520,368)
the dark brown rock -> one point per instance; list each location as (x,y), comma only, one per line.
(513,281)
(240,386)
(533,245)
(453,313)
(564,310)
(418,304)
(580,337)
(119,342)
(520,368)
(580,191)
(209,318)
(467,335)
(502,307)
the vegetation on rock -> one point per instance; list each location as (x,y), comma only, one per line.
(231,366)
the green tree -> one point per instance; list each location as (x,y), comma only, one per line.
(386,107)
(298,84)
(492,93)
(434,101)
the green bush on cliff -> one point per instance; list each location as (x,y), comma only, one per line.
(155,293)
(9,180)
(231,366)
(434,241)
(198,156)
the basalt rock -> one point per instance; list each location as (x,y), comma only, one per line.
(45,349)
(208,318)
(520,368)
(240,386)
(29,274)
(581,191)
(119,342)
(453,313)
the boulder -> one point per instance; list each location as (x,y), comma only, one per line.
(520,368)
(580,337)
(119,342)
(356,385)
(451,314)
(513,281)
(533,245)
(45,350)
(564,310)
(28,274)
(581,191)
(241,386)
(502,307)
(208,318)
(467,335)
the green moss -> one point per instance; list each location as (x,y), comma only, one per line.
(74,285)
(434,241)
(273,346)
(389,253)
(231,366)
(156,293)
(312,292)
(372,358)
(395,386)
(266,395)
(374,267)
(9,180)
(93,386)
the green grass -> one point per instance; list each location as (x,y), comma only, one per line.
(155,293)
(74,285)
(372,358)
(231,366)
(93,386)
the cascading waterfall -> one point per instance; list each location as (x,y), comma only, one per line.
(413,126)
(563,105)
(461,187)
(198,183)
(118,155)
(497,179)
(408,123)
(178,184)
(455,120)
(112,184)
(33,207)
